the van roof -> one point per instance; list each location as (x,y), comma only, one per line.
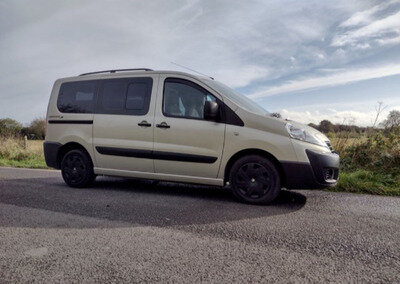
(116,70)
(135,71)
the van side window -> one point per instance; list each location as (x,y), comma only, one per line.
(129,96)
(184,99)
(77,97)
(113,95)
(136,96)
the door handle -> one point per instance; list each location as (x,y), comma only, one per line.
(163,125)
(144,123)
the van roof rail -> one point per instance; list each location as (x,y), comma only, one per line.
(116,70)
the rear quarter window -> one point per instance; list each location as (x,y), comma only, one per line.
(77,97)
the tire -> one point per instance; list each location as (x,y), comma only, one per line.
(255,180)
(77,169)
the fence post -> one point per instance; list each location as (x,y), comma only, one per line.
(25,142)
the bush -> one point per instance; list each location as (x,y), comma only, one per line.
(370,162)
(9,127)
(379,153)
(36,129)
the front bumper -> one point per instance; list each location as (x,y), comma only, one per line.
(321,172)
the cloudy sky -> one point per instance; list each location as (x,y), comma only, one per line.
(308,60)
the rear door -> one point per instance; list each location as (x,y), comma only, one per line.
(123,124)
(185,143)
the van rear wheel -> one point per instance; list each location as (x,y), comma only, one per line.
(77,169)
(255,180)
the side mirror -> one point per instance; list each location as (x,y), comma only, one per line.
(211,110)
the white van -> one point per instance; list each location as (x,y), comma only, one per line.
(174,126)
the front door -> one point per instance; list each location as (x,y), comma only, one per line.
(185,143)
(123,124)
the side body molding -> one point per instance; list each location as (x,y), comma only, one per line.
(158,155)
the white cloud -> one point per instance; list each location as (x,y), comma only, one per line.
(66,41)
(361,118)
(241,76)
(381,28)
(366,16)
(386,41)
(362,46)
(338,78)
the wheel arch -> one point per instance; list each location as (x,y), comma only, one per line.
(254,151)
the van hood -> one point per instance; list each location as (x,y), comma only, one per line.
(275,125)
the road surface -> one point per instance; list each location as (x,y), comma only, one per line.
(134,231)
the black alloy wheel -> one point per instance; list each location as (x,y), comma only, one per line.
(254,179)
(77,169)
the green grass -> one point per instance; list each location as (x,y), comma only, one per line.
(33,162)
(363,181)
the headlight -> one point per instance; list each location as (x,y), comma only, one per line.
(304,135)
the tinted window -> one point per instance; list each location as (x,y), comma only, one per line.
(184,99)
(114,95)
(77,97)
(125,96)
(136,96)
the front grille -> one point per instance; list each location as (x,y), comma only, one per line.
(328,143)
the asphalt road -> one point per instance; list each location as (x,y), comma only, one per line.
(133,231)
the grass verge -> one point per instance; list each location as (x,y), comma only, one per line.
(363,181)
(30,162)
(14,153)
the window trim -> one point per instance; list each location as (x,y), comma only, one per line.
(220,119)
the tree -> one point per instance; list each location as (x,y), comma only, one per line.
(276,114)
(9,127)
(379,108)
(325,126)
(313,125)
(36,128)
(392,120)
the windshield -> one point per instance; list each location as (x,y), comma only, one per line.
(237,98)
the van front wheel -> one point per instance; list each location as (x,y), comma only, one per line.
(254,179)
(77,169)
